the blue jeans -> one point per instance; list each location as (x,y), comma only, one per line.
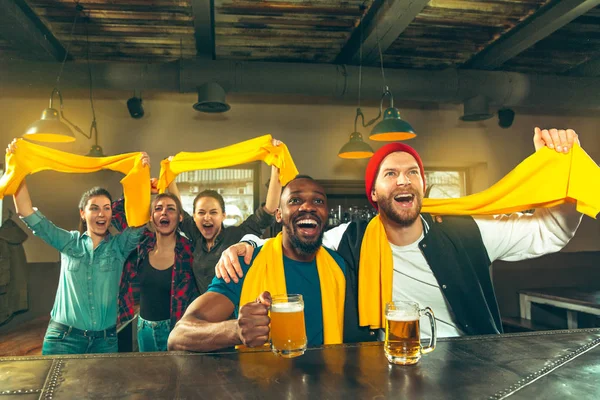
(62,340)
(153,335)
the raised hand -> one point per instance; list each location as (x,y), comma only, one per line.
(561,140)
(12,147)
(153,186)
(145,159)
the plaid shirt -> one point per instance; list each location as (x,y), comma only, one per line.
(183,284)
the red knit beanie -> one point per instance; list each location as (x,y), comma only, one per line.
(377,159)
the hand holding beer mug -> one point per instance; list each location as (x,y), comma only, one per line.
(253,321)
(288,332)
(402,334)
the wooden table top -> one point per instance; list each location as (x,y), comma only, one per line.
(553,364)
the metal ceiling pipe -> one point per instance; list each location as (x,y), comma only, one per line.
(502,89)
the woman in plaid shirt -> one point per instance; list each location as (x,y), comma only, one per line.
(158,273)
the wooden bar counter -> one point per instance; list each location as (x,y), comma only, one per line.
(535,365)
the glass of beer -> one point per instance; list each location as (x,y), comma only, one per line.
(402,334)
(288,333)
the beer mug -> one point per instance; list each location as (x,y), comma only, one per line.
(402,334)
(288,333)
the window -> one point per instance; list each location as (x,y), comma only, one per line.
(444,184)
(238,185)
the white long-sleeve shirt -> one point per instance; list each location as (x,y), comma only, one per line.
(506,237)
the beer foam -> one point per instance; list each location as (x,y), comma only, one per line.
(401,316)
(287,307)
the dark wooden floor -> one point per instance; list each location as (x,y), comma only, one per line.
(26,339)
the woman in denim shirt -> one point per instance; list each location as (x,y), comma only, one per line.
(83,319)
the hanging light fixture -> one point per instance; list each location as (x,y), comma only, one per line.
(95,150)
(356,148)
(50,127)
(392,127)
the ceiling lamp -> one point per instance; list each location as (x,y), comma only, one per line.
(211,99)
(95,151)
(476,109)
(50,128)
(355,147)
(392,127)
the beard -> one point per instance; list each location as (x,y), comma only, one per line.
(304,246)
(404,218)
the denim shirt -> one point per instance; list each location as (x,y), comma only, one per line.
(88,286)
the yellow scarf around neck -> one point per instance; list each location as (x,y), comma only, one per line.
(544,179)
(267,274)
(31,158)
(256,149)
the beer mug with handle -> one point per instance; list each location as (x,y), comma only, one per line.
(288,332)
(402,333)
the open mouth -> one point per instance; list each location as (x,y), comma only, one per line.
(101,223)
(404,199)
(164,222)
(208,229)
(308,226)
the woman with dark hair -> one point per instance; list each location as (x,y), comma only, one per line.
(158,273)
(85,308)
(210,237)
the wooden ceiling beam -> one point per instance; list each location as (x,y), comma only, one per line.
(383,23)
(537,27)
(589,68)
(204,28)
(23,30)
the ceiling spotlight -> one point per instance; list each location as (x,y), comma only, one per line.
(211,99)
(506,116)
(134,105)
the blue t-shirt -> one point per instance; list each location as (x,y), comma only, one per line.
(300,278)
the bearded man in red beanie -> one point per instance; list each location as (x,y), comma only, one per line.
(440,262)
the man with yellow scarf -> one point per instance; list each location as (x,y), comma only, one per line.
(293,262)
(443,263)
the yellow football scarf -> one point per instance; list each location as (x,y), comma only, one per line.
(545,179)
(259,148)
(267,274)
(31,158)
